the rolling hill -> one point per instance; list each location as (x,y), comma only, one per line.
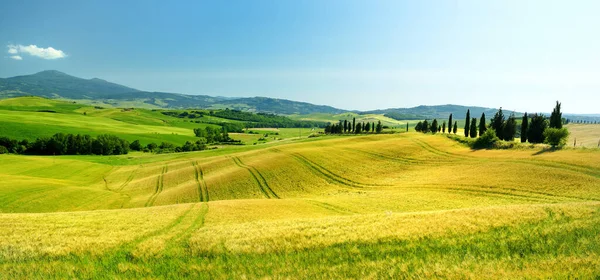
(55,84)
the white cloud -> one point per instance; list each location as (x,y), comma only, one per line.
(33,50)
(16,57)
(12,49)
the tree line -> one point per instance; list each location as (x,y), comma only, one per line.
(67,144)
(211,135)
(256,120)
(534,129)
(347,127)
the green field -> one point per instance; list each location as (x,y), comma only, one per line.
(380,206)
(404,205)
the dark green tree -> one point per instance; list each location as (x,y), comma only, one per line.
(419,126)
(354,125)
(556,117)
(510,128)
(368,127)
(467,123)
(450,123)
(444,127)
(379,127)
(482,124)
(434,126)
(537,126)
(425,127)
(473,128)
(135,145)
(498,123)
(455,129)
(345,126)
(358,128)
(524,127)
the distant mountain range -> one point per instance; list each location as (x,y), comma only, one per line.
(56,84)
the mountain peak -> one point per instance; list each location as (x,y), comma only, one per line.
(51,73)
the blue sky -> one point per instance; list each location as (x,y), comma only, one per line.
(521,55)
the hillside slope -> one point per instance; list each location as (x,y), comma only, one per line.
(392,205)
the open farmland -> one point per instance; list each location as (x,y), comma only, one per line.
(403,205)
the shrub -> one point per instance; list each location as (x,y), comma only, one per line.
(487,140)
(556,136)
(3,150)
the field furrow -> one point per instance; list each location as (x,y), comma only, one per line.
(159,187)
(329,175)
(260,180)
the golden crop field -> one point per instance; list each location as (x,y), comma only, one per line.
(381,206)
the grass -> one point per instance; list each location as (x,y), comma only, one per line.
(586,135)
(404,205)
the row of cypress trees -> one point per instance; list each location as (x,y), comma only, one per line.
(532,128)
(353,127)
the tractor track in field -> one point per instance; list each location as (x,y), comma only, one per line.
(130,246)
(528,194)
(185,235)
(428,147)
(403,160)
(557,165)
(202,187)
(159,187)
(260,180)
(328,175)
(330,207)
(129,179)
(564,166)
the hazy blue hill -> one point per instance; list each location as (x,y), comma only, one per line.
(52,83)
(55,84)
(440,112)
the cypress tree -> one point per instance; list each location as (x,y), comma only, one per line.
(473,128)
(354,125)
(434,126)
(482,125)
(524,127)
(419,126)
(345,126)
(556,117)
(444,127)
(498,123)
(455,129)
(467,123)
(425,126)
(537,126)
(379,127)
(510,128)
(358,128)
(450,123)
(406,126)
(368,127)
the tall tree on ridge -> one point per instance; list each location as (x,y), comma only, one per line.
(556,117)
(467,123)
(482,125)
(473,128)
(524,127)
(498,123)
(444,127)
(434,126)
(455,129)
(450,123)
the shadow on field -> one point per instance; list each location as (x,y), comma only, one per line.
(546,150)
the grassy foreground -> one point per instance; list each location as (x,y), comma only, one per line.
(381,206)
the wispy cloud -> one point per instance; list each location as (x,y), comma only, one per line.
(33,50)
